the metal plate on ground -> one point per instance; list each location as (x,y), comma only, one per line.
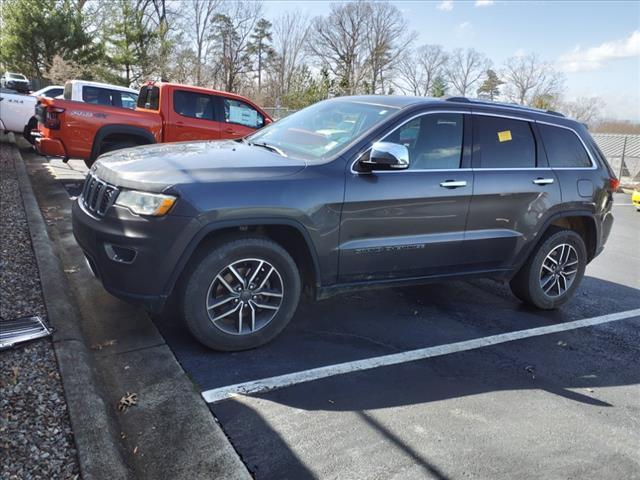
(21,330)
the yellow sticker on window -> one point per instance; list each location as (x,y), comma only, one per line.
(504,136)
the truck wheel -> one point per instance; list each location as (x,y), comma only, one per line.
(32,124)
(110,147)
(553,272)
(241,294)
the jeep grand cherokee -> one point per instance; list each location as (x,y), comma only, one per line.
(353,192)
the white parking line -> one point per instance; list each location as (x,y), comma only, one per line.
(272,383)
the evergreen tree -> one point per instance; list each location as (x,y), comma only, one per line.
(33,32)
(128,42)
(260,47)
(490,88)
(439,87)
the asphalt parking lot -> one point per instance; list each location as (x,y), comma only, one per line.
(560,405)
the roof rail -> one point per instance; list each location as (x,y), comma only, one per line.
(458,99)
(478,101)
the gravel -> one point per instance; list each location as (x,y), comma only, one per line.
(36,440)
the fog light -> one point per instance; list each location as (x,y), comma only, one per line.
(120,254)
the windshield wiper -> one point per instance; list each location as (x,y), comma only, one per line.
(269,147)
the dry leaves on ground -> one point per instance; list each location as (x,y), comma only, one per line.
(127,400)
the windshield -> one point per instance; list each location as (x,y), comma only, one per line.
(321,130)
(17,76)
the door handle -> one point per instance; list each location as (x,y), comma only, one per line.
(543,181)
(229,130)
(453,184)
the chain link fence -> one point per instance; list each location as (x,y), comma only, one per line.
(278,112)
(623,154)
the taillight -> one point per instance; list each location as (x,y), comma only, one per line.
(52,119)
(614,183)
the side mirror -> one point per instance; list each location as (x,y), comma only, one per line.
(386,156)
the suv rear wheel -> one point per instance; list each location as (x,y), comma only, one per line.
(241,294)
(553,272)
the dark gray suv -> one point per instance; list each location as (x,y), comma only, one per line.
(353,192)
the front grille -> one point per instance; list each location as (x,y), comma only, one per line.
(97,196)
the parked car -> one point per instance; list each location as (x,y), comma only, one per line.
(89,92)
(15,81)
(15,110)
(635,198)
(350,193)
(52,91)
(165,112)
(100,93)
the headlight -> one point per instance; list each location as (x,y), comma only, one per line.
(143,203)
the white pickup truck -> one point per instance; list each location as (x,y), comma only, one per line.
(17,111)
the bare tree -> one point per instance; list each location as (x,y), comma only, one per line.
(339,42)
(528,80)
(232,31)
(584,109)
(290,32)
(198,25)
(61,70)
(465,68)
(386,38)
(419,68)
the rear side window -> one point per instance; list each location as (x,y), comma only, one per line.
(564,148)
(194,105)
(99,96)
(434,141)
(241,113)
(128,100)
(149,98)
(503,143)
(54,92)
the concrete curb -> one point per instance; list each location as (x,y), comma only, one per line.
(98,453)
(171,433)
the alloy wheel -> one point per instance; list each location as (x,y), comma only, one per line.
(558,270)
(244,296)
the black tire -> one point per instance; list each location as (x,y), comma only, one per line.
(32,124)
(526,285)
(200,279)
(110,147)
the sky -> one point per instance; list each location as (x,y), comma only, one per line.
(595,43)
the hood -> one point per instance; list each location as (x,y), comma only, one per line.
(154,168)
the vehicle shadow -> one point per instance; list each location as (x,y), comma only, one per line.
(267,455)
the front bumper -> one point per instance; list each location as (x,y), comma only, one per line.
(18,86)
(51,147)
(158,244)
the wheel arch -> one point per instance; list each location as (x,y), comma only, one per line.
(128,131)
(289,234)
(580,221)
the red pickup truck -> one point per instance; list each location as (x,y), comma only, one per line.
(165,112)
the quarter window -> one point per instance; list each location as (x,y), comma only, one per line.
(503,143)
(563,147)
(194,105)
(434,141)
(241,113)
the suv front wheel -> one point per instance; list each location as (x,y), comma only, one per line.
(241,294)
(553,272)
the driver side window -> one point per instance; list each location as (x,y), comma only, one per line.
(434,141)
